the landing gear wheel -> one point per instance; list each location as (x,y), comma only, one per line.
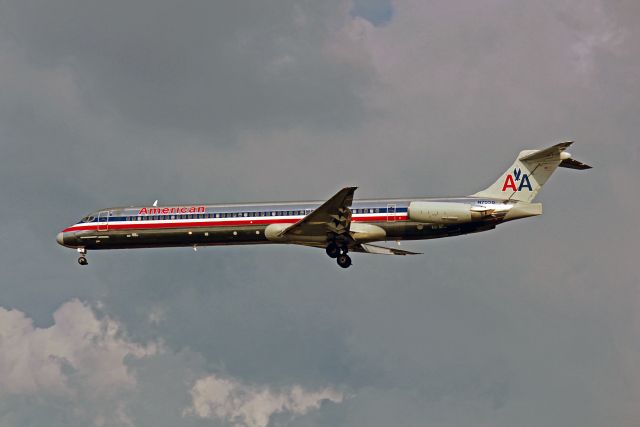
(344,260)
(82,261)
(333,250)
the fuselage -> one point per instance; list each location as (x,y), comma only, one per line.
(340,224)
(238,224)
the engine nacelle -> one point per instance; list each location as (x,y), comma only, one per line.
(442,212)
(273,232)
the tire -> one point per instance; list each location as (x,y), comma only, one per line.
(82,261)
(344,261)
(333,250)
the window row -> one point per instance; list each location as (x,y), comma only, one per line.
(233,215)
(217,215)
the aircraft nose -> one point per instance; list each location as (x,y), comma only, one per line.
(60,239)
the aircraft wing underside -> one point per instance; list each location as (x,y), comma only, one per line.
(332,217)
(381,250)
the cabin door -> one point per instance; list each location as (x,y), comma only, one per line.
(103,221)
(391,212)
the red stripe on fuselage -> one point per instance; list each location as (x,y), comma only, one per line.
(137,226)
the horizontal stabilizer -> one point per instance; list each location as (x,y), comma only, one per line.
(381,250)
(573,164)
(547,153)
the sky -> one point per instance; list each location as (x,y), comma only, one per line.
(124,102)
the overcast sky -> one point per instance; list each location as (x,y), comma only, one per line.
(107,103)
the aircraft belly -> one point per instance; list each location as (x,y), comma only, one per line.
(408,230)
(252,234)
(201,236)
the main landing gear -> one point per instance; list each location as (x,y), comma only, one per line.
(344,260)
(340,255)
(82,260)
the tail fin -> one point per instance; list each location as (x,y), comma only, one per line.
(524,179)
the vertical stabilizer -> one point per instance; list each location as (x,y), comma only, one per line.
(524,179)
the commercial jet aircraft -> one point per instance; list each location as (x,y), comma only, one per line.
(339,225)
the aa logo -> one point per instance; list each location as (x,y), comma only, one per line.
(517,176)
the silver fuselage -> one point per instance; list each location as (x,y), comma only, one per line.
(243,224)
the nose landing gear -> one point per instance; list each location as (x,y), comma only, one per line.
(82,260)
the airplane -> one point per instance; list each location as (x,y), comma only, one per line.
(339,225)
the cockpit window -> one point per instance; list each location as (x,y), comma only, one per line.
(87,218)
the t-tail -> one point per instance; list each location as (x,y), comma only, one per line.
(531,170)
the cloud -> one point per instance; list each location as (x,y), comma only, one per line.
(203,68)
(246,405)
(79,358)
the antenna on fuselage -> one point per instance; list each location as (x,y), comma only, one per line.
(155,203)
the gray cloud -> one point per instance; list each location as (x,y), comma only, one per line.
(206,68)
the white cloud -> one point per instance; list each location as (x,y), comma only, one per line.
(80,358)
(252,406)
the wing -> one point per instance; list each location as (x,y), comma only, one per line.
(373,249)
(332,217)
